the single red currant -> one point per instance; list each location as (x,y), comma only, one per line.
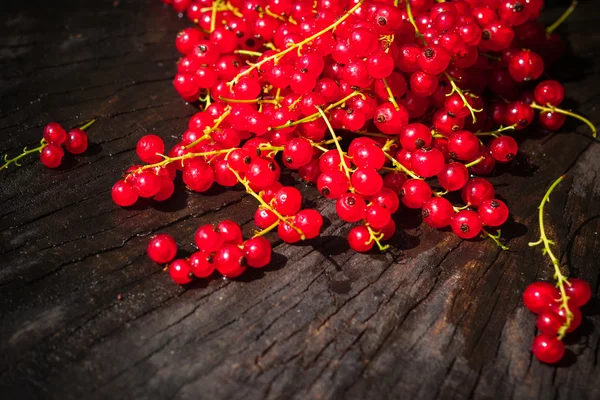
(466,224)
(181,272)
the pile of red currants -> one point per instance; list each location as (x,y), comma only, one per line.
(381,104)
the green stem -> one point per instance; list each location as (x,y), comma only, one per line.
(25,152)
(550,108)
(84,127)
(562,18)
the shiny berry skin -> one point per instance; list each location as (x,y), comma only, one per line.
(437,212)
(287,201)
(504,148)
(427,162)
(549,323)
(377,216)
(394,181)
(453,176)
(539,296)
(262,172)
(380,65)
(423,84)
(309,222)
(551,121)
(414,192)
(515,12)
(476,191)
(386,198)
(77,141)
(149,147)
(493,212)
(389,120)
(579,292)
(332,184)
(124,194)
(162,248)
(257,252)
(54,133)
(434,60)
(549,93)
(359,239)
(463,145)
(287,233)
(415,136)
(230,261)
(208,239)
(230,232)
(198,175)
(351,207)
(526,66)
(518,114)
(181,272)
(52,155)
(367,181)
(368,156)
(547,349)
(202,264)
(264,218)
(466,224)
(557,309)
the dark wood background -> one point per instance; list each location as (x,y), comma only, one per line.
(85,314)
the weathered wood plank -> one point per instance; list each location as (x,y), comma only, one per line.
(435,317)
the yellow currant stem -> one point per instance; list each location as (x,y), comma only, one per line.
(562,18)
(400,167)
(376,236)
(282,53)
(249,53)
(498,132)
(265,231)
(458,90)
(25,152)
(337,143)
(440,194)
(550,108)
(391,97)
(168,160)
(560,278)
(85,126)
(251,101)
(317,115)
(213,17)
(475,162)
(266,205)
(388,145)
(457,209)
(279,17)
(234,10)
(411,18)
(205,99)
(495,238)
(208,131)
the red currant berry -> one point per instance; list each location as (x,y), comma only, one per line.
(181,272)
(149,148)
(389,120)
(526,66)
(309,222)
(207,239)
(387,199)
(77,141)
(198,175)
(466,224)
(359,239)
(287,233)
(493,212)
(230,261)
(549,93)
(437,212)
(476,191)
(332,184)
(434,60)
(377,216)
(427,162)
(414,192)
(579,292)
(549,323)
(287,200)
(52,155)
(124,194)
(257,252)
(230,232)
(162,248)
(504,148)
(539,296)
(367,181)
(351,207)
(547,349)
(202,264)
(518,114)
(463,145)
(54,133)
(264,218)
(414,136)
(262,172)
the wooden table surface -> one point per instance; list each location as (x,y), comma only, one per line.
(85,314)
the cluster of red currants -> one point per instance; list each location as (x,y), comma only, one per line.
(555,316)
(221,248)
(380,103)
(55,137)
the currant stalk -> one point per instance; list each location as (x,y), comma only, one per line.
(495,238)
(497,132)
(209,130)
(560,278)
(550,108)
(295,46)
(562,18)
(25,152)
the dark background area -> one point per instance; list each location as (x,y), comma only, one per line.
(85,314)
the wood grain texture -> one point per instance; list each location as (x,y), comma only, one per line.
(435,317)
